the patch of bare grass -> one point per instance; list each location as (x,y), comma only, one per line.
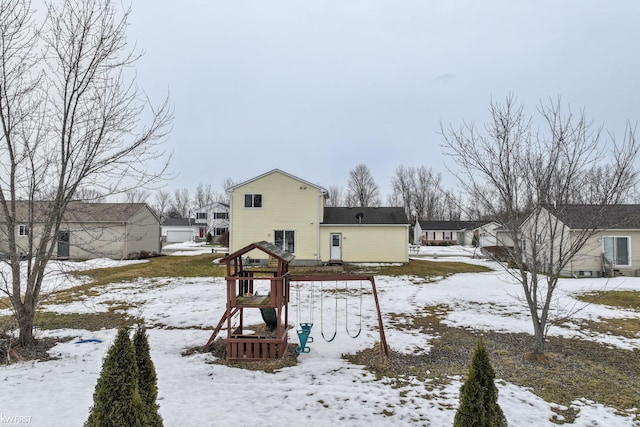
(628,327)
(571,369)
(622,299)
(165,266)
(88,321)
(424,268)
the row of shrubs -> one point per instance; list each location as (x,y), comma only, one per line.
(126,391)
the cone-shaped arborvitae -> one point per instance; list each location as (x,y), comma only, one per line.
(116,399)
(147,379)
(479,395)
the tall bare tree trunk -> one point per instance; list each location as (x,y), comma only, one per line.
(70,119)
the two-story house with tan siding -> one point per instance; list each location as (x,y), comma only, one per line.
(290,212)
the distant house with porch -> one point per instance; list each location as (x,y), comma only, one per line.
(434,233)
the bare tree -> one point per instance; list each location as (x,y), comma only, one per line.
(336,198)
(421,192)
(136,195)
(402,187)
(89,195)
(161,204)
(69,119)
(451,206)
(427,194)
(521,175)
(181,202)
(204,196)
(223,197)
(362,189)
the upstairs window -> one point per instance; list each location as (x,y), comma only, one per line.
(221,215)
(201,215)
(23,230)
(253,200)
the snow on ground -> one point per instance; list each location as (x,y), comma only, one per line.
(56,277)
(191,248)
(323,389)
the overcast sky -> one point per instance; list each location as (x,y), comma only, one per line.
(316,87)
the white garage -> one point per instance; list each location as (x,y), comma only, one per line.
(178,230)
(178,236)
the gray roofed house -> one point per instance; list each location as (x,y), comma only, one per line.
(602,217)
(87,230)
(455,232)
(613,239)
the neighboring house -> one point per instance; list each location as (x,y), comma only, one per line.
(614,248)
(455,233)
(212,219)
(219,222)
(290,212)
(178,230)
(89,230)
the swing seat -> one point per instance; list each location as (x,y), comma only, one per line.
(307,327)
(303,336)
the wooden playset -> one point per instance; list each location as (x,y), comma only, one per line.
(243,284)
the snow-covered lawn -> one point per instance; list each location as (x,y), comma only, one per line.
(323,389)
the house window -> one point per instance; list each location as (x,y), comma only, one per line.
(616,250)
(219,231)
(23,230)
(253,200)
(221,215)
(201,215)
(446,235)
(539,239)
(285,239)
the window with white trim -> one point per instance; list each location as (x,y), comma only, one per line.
(252,200)
(285,240)
(221,215)
(201,215)
(446,235)
(23,230)
(617,250)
